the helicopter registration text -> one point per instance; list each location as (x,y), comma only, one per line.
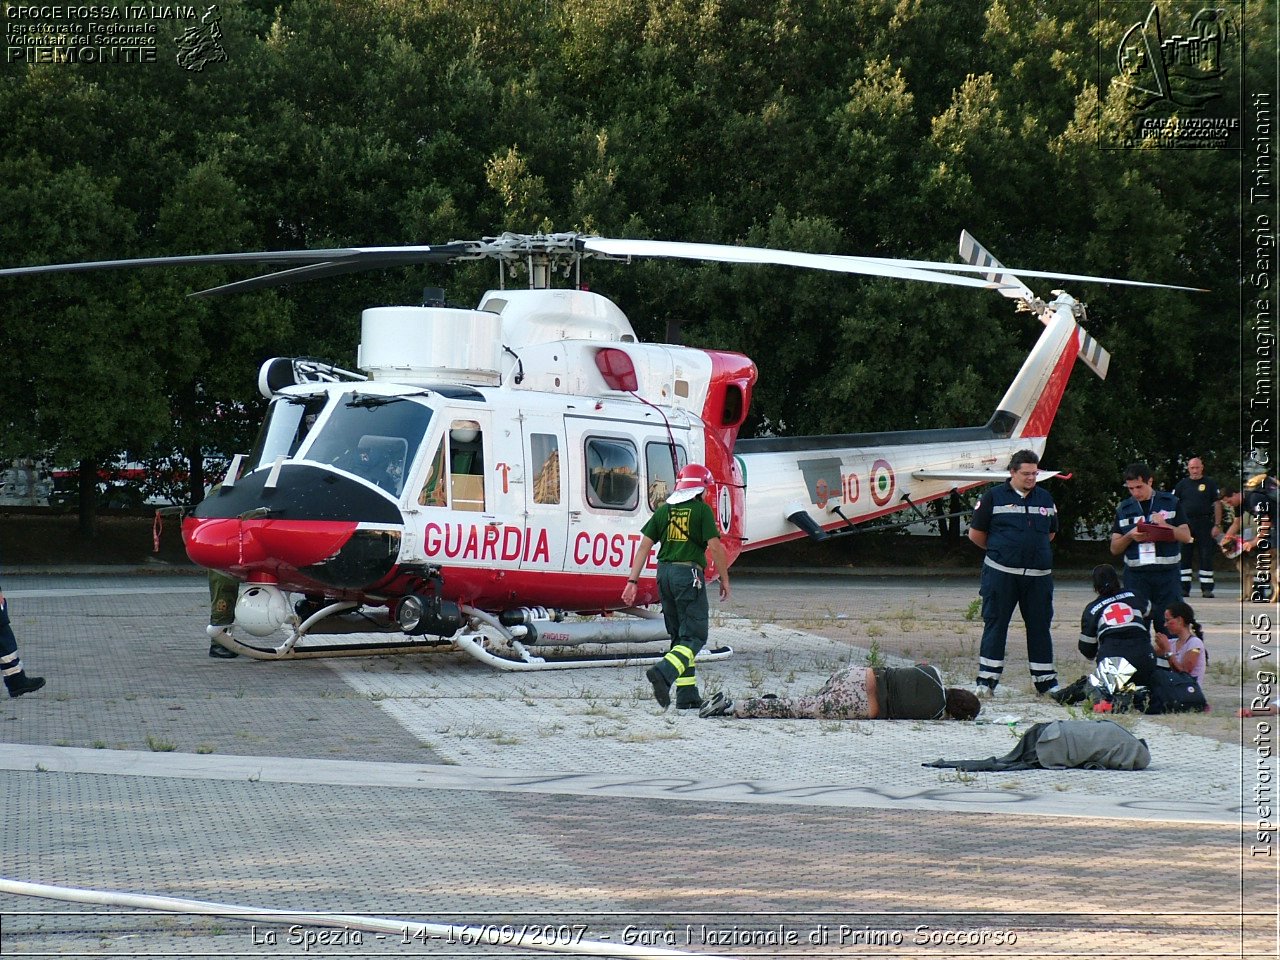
(605,550)
(458,541)
(461,542)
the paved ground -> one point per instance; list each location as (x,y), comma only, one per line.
(431,788)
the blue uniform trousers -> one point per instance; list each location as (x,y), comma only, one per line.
(9,663)
(1198,555)
(1160,584)
(1001,592)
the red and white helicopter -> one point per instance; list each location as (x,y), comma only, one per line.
(482,481)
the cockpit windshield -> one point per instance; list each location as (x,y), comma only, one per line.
(374,437)
(289,420)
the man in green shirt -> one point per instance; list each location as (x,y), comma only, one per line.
(686,528)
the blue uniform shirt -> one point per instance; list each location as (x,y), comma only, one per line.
(1018,529)
(1131,511)
(1122,616)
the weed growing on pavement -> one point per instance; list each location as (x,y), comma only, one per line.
(975,607)
(906,619)
(204,748)
(962,777)
(649,737)
(156,745)
(498,738)
(875,659)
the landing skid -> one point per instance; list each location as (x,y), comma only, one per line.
(514,654)
(539,645)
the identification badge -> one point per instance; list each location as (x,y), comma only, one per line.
(1146,552)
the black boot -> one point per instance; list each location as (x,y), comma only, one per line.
(20,683)
(661,684)
(687,697)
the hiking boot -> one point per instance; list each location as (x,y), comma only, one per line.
(661,686)
(1207,593)
(718,706)
(21,683)
(1186,590)
(688,698)
(984,691)
(218,651)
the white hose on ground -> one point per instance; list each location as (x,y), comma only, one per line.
(472,934)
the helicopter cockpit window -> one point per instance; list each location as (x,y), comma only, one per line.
(661,474)
(466,465)
(545,450)
(433,493)
(288,421)
(613,474)
(373,440)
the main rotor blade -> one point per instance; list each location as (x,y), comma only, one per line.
(375,256)
(1000,268)
(315,271)
(876,266)
(724,253)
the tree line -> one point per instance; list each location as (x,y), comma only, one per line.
(875,127)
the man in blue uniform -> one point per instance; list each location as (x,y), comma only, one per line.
(1015,523)
(1149,530)
(16,680)
(1198,496)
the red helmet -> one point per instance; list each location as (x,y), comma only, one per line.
(690,482)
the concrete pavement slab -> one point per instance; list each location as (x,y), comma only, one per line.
(429,785)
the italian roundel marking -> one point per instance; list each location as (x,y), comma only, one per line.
(1118,614)
(882,482)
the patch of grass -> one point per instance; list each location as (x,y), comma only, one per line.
(502,739)
(156,745)
(975,607)
(204,748)
(647,737)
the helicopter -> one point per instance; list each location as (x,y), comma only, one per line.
(479,482)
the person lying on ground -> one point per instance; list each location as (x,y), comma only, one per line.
(860,693)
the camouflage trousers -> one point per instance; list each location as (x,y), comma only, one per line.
(842,697)
(223,593)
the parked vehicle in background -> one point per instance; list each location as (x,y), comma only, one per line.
(25,483)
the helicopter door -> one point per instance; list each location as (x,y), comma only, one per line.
(545,505)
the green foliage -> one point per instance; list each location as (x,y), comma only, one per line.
(879,127)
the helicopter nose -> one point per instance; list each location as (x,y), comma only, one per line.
(314,526)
